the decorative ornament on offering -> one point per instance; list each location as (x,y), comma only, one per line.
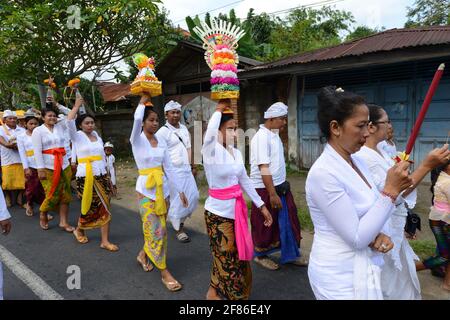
(404,156)
(72,87)
(51,85)
(220,42)
(146,81)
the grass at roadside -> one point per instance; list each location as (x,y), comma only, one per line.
(423,248)
(305,219)
(290,172)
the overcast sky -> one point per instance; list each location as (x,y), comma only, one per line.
(374,13)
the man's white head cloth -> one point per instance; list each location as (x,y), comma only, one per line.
(278,109)
(9,113)
(172,105)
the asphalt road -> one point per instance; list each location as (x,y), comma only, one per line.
(106,275)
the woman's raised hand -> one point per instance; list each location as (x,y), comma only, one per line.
(144,99)
(78,102)
(223,104)
(437,157)
(397,179)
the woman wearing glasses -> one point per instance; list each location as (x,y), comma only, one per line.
(398,274)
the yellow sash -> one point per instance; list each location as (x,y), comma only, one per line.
(29,153)
(155,180)
(88,183)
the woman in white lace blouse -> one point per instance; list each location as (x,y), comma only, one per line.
(347,210)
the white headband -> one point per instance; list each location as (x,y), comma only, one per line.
(278,109)
(172,105)
(9,113)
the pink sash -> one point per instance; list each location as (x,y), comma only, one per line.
(244,241)
(442,206)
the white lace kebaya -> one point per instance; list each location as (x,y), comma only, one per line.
(399,279)
(223,170)
(347,216)
(147,156)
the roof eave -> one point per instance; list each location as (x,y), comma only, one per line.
(370,59)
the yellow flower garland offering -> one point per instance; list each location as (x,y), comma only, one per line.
(50,83)
(73,83)
(146,81)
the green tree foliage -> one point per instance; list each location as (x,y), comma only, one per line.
(44,37)
(247,46)
(158,50)
(269,38)
(260,28)
(361,32)
(428,13)
(307,29)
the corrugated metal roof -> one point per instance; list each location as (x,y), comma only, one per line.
(112,92)
(384,41)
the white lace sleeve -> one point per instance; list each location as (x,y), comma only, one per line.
(22,152)
(329,195)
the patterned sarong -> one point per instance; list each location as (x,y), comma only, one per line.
(155,232)
(34,191)
(62,193)
(267,239)
(231,277)
(98,214)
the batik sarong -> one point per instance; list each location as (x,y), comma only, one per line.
(155,232)
(62,193)
(231,277)
(98,214)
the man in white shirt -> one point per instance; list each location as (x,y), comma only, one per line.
(178,141)
(5,227)
(13,177)
(268,174)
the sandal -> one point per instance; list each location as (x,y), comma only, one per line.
(49,217)
(110,247)
(183,237)
(67,228)
(172,285)
(43,221)
(301,262)
(267,263)
(80,238)
(8,200)
(147,267)
(29,211)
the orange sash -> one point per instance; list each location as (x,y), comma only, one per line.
(58,154)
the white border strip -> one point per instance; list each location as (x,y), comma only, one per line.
(31,279)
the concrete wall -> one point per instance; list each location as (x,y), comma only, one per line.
(116,128)
(293,142)
(255,98)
